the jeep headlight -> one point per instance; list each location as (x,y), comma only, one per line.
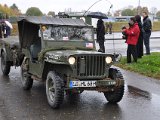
(71,60)
(108,60)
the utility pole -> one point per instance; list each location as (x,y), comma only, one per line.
(139,3)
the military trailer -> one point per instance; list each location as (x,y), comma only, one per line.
(61,52)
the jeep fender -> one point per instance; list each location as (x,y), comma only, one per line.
(62,69)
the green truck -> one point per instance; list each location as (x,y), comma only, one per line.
(61,53)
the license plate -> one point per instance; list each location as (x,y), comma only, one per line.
(74,84)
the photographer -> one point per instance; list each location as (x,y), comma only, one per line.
(132,34)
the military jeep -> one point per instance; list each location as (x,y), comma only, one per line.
(61,52)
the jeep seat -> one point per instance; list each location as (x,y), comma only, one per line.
(35,49)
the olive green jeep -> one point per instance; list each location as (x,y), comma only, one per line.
(61,52)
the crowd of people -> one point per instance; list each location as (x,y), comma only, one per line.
(5,30)
(109,27)
(136,35)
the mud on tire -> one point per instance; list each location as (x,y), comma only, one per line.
(116,95)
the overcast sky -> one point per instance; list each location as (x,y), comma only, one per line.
(78,5)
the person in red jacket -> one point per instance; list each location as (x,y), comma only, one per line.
(132,34)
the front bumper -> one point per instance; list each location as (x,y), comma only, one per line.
(98,85)
(107,83)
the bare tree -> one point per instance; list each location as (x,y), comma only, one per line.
(153,11)
(51,13)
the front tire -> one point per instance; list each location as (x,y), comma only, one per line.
(27,81)
(5,66)
(116,95)
(54,90)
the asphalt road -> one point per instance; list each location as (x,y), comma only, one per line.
(119,46)
(140,101)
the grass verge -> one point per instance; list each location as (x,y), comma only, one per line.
(148,65)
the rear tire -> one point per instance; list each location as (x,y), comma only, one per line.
(5,66)
(54,90)
(116,95)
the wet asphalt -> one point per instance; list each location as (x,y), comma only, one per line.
(141,101)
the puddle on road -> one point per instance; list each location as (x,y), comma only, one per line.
(143,95)
(138,92)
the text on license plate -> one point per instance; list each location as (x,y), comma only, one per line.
(82,84)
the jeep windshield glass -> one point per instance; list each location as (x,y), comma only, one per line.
(67,33)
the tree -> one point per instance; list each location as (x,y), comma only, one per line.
(137,10)
(127,12)
(7,12)
(117,13)
(109,14)
(153,11)
(51,13)
(158,14)
(15,9)
(145,9)
(34,11)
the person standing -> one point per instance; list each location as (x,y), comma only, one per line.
(107,27)
(101,35)
(8,31)
(4,30)
(147,26)
(0,30)
(110,27)
(139,45)
(132,34)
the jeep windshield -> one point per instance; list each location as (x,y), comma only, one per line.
(67,33)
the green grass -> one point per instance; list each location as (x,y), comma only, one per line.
(148,65)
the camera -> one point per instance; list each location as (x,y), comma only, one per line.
(124,36)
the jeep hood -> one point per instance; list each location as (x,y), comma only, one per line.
(67,53)
(61,56)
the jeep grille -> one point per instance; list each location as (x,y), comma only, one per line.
(90,66)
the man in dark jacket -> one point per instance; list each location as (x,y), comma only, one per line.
(101,35)
(140,39)
(132,39)
(147,26)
